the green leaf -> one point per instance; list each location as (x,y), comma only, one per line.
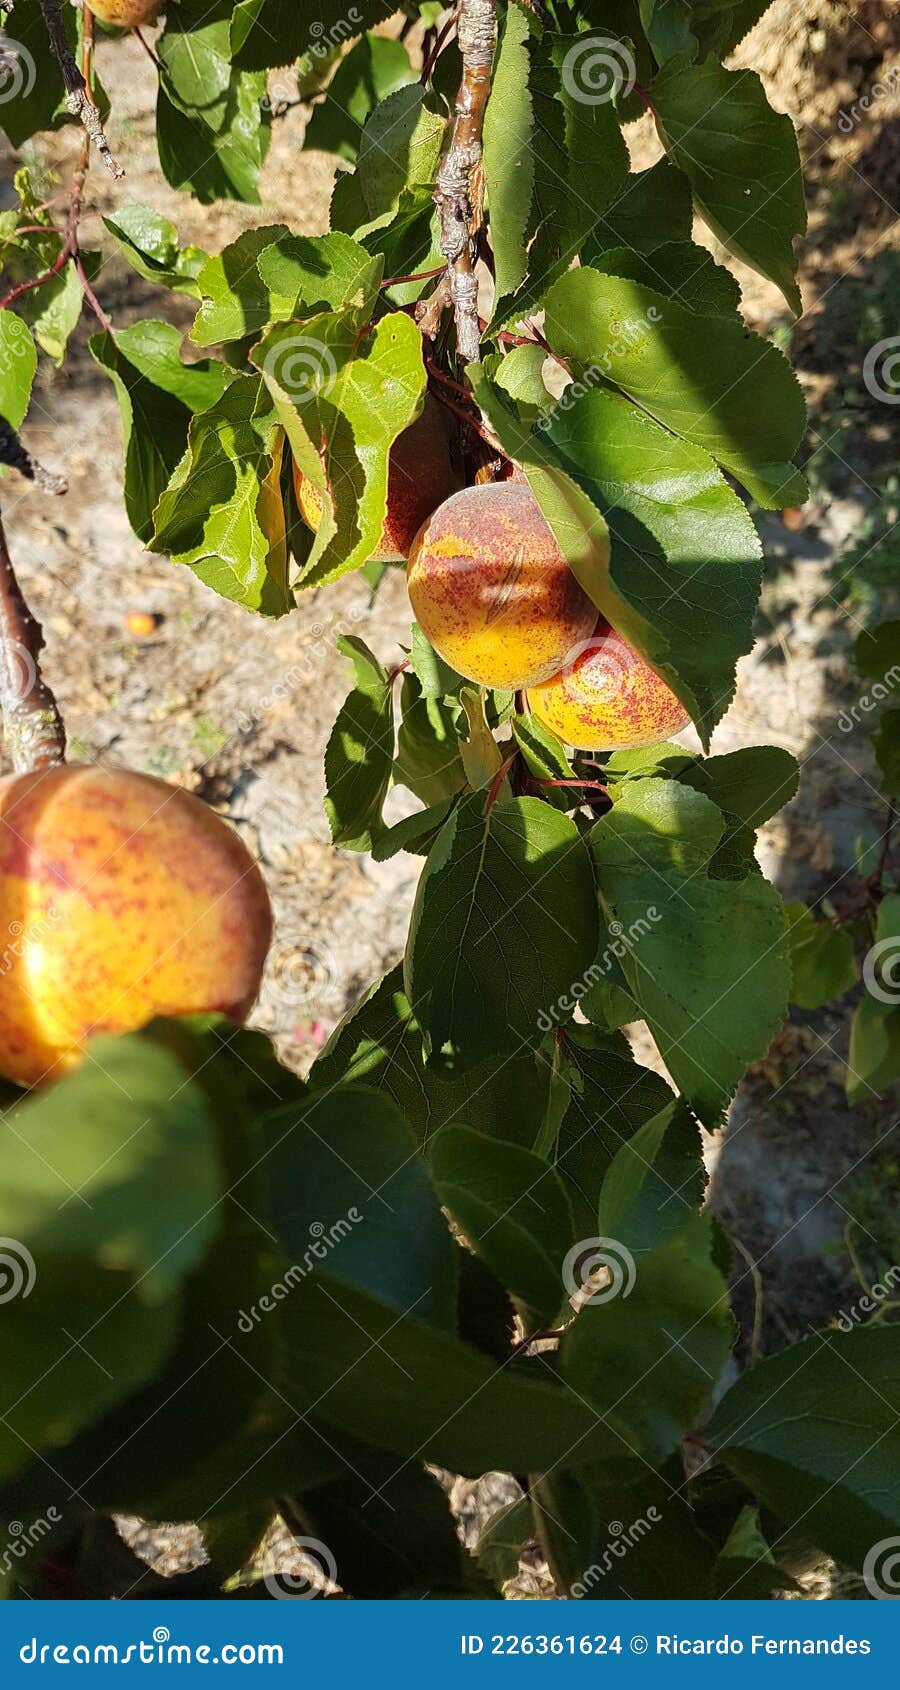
(742,161)
(580,159)
(54,309)
(680,270)
(317,273)
(149,243)
(655,1181)
(415,833)
(886,743)
(545,759)
(823,965)
(684,568)
(612,1097)
(222,512)
(745,1567)
(347,1194)
(709,380)
(666,28)
(650,208)
(504,920)
(749,786)
(508,152)
(399,148)
(360,752)
(374,68)
(272,33)
(479,751)
(653,1353)
(436,677)
(390,1531)
(514,1212)
(877,652)
(156,395)
(234,300)
(344,393)
(815,1433)
(711,975)
(873,1063)
(379,1042)
(110,1198)
(720,27)
(33,86)
(402,1384)
(428,760)
(18,363)
(212,130)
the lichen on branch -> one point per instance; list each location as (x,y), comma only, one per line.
(460,187)
(78,95)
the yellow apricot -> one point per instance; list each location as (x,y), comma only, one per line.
(420,476)
(121,898)
(491,589)
(607,698)
(126,14)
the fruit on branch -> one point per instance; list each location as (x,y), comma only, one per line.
(126,14)
(123,898)
(420,477)
(607,698)
(491,589)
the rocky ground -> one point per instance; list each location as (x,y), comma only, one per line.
(239,710)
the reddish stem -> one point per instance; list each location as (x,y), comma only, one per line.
(587,785)
(431,60)
(497,783)
(423,275)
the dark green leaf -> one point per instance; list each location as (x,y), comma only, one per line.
(650,207)
(823,965)
(611,1098)
(212,129)
(742,161)
(360,752)
(149,243)
(374,68)
(504,921)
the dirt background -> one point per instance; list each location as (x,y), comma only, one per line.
(239,709)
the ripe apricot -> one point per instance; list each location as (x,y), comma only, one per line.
(420,477)
(126,14)
(121,898)
(607,698)
(491,589)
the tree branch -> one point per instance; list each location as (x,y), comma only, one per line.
(78,97)
(17,456)
(35,735)
(459,190)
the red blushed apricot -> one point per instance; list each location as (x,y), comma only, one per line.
(126,14)
(607,698)
(420,477)
(121,898)
(491,589)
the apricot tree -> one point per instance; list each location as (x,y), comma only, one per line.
(474,1238)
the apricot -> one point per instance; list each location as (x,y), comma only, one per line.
(126,14)
(491,589)
(121,898)
(607,698)
(420,477)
